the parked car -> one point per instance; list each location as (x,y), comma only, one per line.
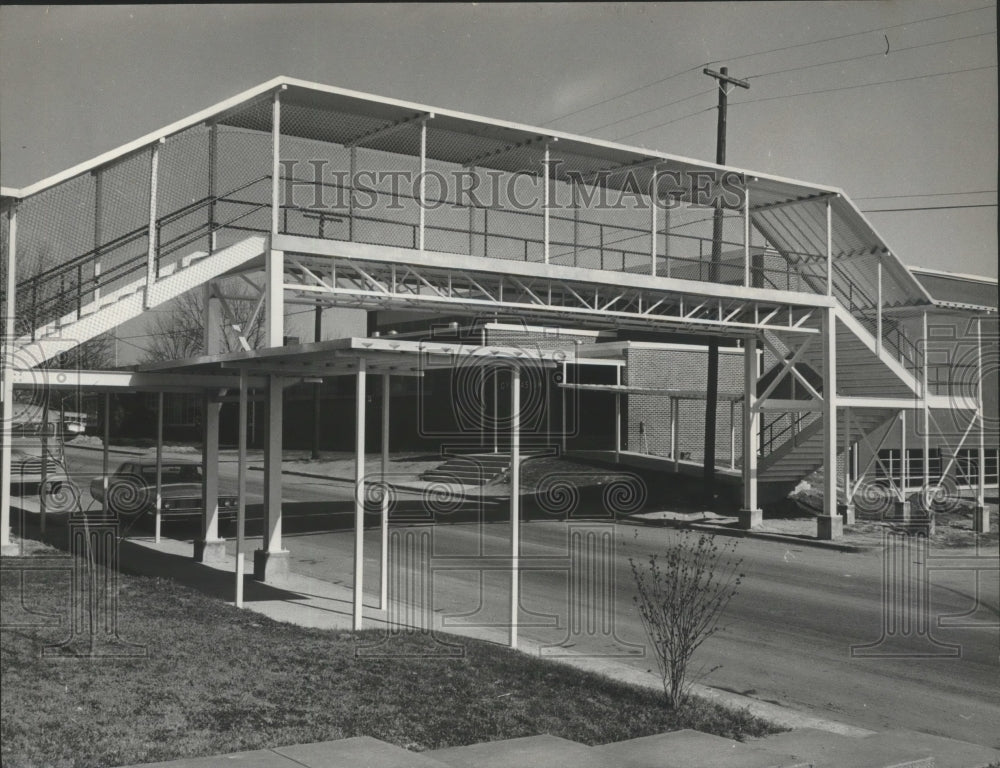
(26,472)
(132,490)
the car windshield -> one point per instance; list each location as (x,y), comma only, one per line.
(174,473)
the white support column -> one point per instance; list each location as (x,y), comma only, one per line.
(241,486)
(926,464)
(878,310)
(423,185)
(547,191)
(618,415)
(653,200)
(750,516)
(159,468)
(105,449)
(901,509)
(212,331)
(274,298)
(746,237)
(383,600)
(151,244)
(565,369)
(515,501)
(732,434)
(848,513)
(210,548)
(829,524)
(359,494)
(271,561)
(829,252)
(675,434)
(981,516)
(7,361)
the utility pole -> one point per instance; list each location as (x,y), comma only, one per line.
(712,388)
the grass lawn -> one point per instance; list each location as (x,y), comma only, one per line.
(218,680)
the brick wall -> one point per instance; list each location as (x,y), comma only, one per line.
(675,368)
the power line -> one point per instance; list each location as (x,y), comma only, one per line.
(928,194)
(854,34)
(866,85)
(870,55)
(654,109)
(661,125)
(810,93)
(929,208)
(622,95)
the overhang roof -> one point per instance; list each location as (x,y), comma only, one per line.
(338,357)
(791,214)
(958,291)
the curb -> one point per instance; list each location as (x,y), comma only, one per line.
(740,533)
(401,486)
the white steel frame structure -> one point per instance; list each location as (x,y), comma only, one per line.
(802,271)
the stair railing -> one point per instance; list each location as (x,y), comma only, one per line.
(54,296)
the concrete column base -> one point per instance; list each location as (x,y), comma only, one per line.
(209,551)
(750,518)
(981,519)
(10,550)
(829,527)
(846,511)
(901,512)
(270,566)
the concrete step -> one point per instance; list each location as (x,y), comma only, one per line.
(343,753)
(824,749)
(691,749)
(948,753)
(356,752)
(529,752)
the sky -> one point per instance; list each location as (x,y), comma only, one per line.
(909,128)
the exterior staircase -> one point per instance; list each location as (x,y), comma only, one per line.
(801,748)
(99,313)
(470,469)
(791,445)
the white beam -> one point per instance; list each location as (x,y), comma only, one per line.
(359,497)
(515,501)
(301,244)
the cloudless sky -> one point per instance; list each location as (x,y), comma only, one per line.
(77,81)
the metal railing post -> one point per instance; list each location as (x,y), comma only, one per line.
(746,236)
(545,205)
(653,200)
(276,159)
(878,309)
(151,256)
(829,248)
